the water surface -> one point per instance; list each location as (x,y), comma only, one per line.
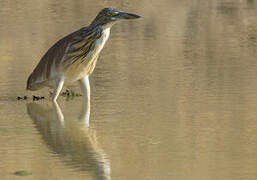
(173,94)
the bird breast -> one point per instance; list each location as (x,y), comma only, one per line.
(102,40)
(78,70)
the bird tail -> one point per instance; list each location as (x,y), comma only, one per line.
(32,84)
(29,83)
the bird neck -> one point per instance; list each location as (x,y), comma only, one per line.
(107,26)
(98,22)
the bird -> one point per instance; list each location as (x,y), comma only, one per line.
(73,58)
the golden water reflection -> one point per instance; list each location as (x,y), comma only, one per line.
(74,143)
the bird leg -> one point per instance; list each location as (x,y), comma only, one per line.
(85,113)
(85,89)
(58,84)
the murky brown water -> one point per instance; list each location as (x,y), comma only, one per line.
(174,94)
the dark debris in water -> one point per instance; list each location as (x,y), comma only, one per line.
(36,98)
(67,93)
(70,93)
(23,173)
(22,98)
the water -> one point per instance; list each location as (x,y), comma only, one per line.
(173,94)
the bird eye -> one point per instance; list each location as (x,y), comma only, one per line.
(112,13)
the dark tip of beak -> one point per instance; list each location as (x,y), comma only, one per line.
(129,16)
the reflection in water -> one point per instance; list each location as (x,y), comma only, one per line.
(73,141)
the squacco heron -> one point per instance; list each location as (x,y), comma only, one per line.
(73,58)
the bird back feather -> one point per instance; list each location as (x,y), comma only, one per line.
(61,55)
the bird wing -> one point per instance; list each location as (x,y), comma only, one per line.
(62,54)
(83,42)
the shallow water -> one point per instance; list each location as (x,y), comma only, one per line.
(173,94)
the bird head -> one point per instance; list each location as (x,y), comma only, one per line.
(111,15)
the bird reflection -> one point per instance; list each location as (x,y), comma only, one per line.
(73,140)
